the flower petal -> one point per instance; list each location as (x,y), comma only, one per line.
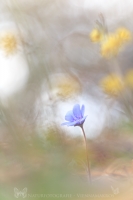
(76,111)
(69,116)
(83,119)
(69,123)
(80,121)
(83,110)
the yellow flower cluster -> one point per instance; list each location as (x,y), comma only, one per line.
(112,85)
(111,43)
(110,46)
(8,43)
(123,34)
(96,35)
(114,42)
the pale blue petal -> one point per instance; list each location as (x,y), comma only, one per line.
(80,121)
(69,123)
(76,111)
(83,110)
(69,116)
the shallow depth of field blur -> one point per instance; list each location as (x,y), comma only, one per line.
(55,54)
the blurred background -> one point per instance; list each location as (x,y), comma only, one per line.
(53,55)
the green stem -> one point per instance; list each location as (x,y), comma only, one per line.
(87,154)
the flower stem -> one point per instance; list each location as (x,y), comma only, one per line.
(87,155)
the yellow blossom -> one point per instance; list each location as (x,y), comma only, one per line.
(112,85)
(96,35)
(129,78)
(124,34)
(8,43)
(111,46)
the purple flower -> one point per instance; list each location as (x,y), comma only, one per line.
(75,117)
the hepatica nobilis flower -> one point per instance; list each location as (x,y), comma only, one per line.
(76,116)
